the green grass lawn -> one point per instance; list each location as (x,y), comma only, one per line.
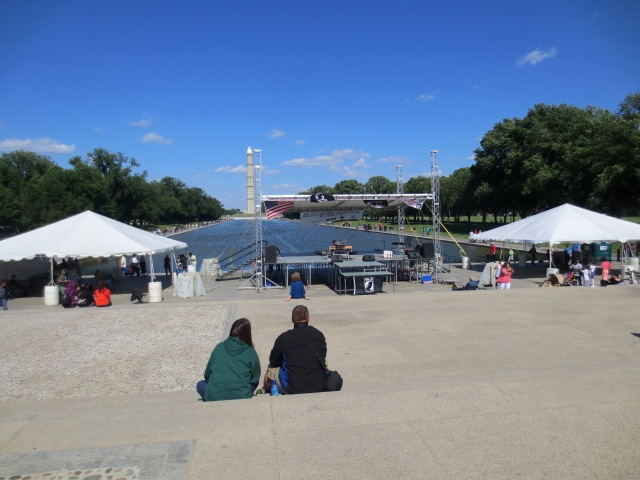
(457,230)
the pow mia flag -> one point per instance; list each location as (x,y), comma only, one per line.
(367,285)
(321,198)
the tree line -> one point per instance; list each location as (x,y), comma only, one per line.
(556,154)
(35,191)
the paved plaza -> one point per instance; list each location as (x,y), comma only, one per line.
(528,383)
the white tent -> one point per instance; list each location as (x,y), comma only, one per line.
(565,223)
(85,235)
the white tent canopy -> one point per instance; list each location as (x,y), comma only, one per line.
(85,235)
(565,223)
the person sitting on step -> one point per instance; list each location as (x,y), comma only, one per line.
(233,371)
(297,290)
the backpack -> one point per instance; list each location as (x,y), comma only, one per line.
(66,300)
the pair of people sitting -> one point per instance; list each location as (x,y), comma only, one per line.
(233,371)
(84,296)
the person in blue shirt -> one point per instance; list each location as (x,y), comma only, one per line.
(576,247)
(297,288)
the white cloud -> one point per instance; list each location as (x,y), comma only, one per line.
(198,175)
(144,122)
(472,157)
(154,137)
(271,172)
(332,161)
(275,133)
(454,159)
(97,129)
(321,150)
(361,164)
(238,169)
(216,183)
(39,145)
(475,87)
(428,97)
(479,138)
(299,142)
(537,56)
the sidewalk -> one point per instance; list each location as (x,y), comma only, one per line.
(526,383)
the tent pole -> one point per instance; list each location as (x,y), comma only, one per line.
(151,266)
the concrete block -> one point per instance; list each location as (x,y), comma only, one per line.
(591,441)
(175,471)
(390,450)
(238,457)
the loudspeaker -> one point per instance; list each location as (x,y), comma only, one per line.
(270,255)
(427,251)
(413,255)
(368,258)
(336,258)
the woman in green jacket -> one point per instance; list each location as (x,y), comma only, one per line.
(233,371)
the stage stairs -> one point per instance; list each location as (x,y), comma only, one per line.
(244,255)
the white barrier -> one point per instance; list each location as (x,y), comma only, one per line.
(155,292)
(51,295)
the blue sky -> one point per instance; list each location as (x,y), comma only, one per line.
(327,89)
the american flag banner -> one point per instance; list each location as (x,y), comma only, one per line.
(276,208)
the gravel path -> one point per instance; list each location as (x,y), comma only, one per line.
(97,352)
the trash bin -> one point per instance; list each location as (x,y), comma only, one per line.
(522,261)
(552,271)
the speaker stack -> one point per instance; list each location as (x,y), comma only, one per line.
(427,251)
(270,255)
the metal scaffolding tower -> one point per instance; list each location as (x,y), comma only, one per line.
(435,191)
(400,190)
(257,281)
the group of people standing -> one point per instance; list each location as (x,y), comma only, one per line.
(587,272)
(137,267)
(296,364)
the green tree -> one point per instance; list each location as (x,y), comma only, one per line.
(125,188)
(629,108)
(348,186)
(318,189)
(558,154)
(380,184)
(418,184)
(452,193)
(17,170)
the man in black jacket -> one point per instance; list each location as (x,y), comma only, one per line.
(292,363)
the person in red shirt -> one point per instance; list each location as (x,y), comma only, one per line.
(492,251)
(606,266)
(102,295)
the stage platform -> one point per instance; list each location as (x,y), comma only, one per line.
(337,275)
